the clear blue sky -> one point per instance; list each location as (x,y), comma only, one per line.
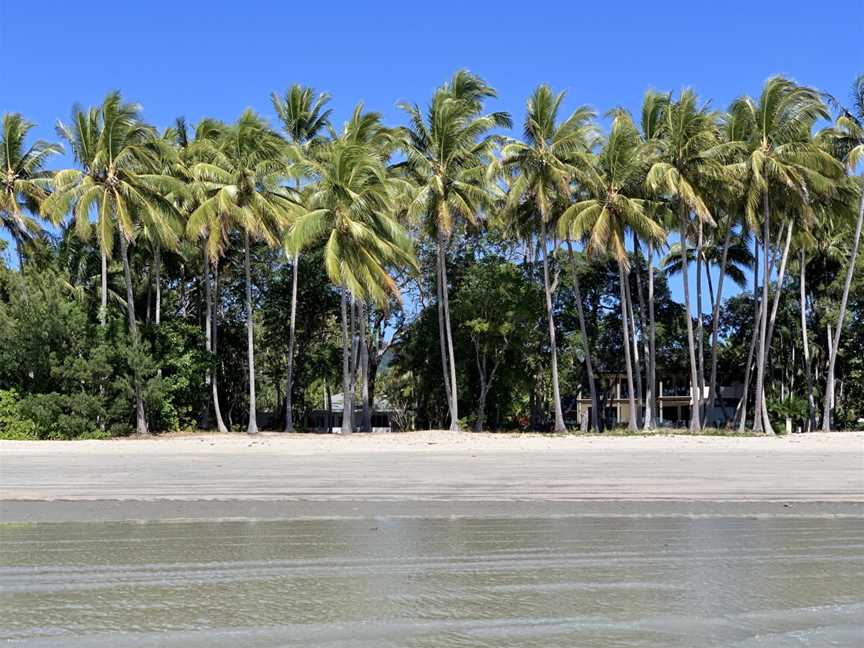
(197,58)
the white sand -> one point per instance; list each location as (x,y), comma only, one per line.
(437,466)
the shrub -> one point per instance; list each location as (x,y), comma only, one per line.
(13,424)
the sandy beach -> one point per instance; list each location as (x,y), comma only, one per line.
(430,473)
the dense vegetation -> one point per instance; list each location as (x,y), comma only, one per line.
(209,276)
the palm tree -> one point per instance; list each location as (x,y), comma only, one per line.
(781,163)
(542,165)
(303,119)
(849,141)
(651,120)
(448,150)
(190,151)
(25,183)
(350,207)
(608,209)
(242,181)
(122,180)
(685,166)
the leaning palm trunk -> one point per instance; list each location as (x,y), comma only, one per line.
(140,418)
(250,337)
(289,414)
(700,329)
(695,422)
(781,273)
(631,400)
(217,410)
(586,348)
(347,382)
(208,335)
(366,416)
(447,355)
(715,318)
(758,418)
(547,290)
(805,341)
(835,346)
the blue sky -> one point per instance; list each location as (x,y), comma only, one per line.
(215,58)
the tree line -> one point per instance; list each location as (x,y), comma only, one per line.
(442,262)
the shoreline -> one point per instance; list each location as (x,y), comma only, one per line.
(430,474)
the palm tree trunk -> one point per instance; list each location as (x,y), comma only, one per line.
(103,296)
(637,367)
(366,417)
(250,337)
(208,334)
(835,346)
(700,329)
(805,341)
(586,348)
(217,410)
(648,388)
(450,361)
(651,414)
(556,392)
(741,413)
(715,317)
(763,321)
(631,423)
(289,414)
(695,422)
(140,417)
(481,402)
(157,262)
(347,386)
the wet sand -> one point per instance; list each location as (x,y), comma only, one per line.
(433,540)
(274,476)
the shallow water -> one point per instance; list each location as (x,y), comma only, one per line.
(435,582)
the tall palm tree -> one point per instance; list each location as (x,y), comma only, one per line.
(542,164)
(849,142)
(304,118)
(122,181)
(654,105)
(24,182)
(607,210)
(243,184)
(685,167)
(448,150)
(191,149)
(350,207)
(780,163)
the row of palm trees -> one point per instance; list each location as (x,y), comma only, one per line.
(758,173)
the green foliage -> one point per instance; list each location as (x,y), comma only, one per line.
(13,423)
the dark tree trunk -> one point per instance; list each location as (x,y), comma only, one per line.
(586,348)
(347,386)
(715,317)
(140,417)
(289,414)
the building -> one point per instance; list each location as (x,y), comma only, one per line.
(673,405)
(331,421)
